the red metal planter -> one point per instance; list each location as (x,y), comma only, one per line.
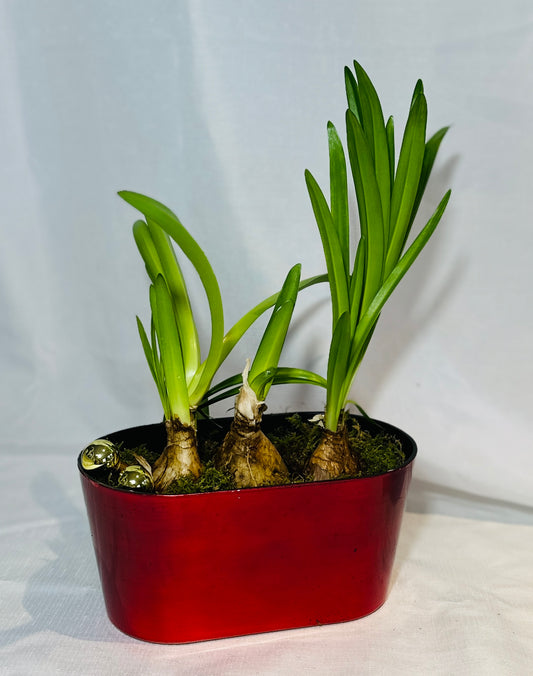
(186,568)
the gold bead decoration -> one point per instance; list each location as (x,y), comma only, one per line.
(101,454)
(136,478)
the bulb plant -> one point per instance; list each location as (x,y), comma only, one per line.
(361,278)
(172,351)
(246,452)
(388,196)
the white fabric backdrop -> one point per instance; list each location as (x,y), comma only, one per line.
(216,109)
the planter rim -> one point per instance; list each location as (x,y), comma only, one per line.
(302,485)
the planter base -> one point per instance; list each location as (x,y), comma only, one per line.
(183,568)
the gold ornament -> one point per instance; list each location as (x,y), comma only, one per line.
(136,478)
(101,454)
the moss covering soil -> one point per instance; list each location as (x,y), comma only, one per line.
(296,439)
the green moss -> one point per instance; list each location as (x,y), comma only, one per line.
(375,454)
(211,479)
(295,438)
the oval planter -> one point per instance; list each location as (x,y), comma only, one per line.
(182,568)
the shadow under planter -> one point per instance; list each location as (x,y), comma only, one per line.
(183,568)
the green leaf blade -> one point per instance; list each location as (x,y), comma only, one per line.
(169,222)
(269,350)
(430,153)
(407,179)
(239,328)
(369,202)
(332,249)
(370,317)
(171,353)
(337,365)
(374,128)
(180,299)
(338,180)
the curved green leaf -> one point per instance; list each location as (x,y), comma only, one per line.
(169,222)
(180,299)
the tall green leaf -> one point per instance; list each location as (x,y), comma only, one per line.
(339,194)
(171,354)
(357,283)
(374,127)
(154,370)
(369,318)
(407,179)
(352,93)
(332,248)
(269,350)
(180,299)
(430,153)
(239,328)
(370,211)
(337,365)
(392,157)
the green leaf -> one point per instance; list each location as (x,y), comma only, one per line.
(371,315)
(337,365)
(170,223)
(269,350)
(352,93)
(418,90)
(293,376)
(430,153)
(180,299)
(146,247)
(367,324)
(390,144)
(239,328)
(339,194)
(151,359)
(357,285)
(171,354)
(370,211)
(279,376)
(407,179)
(227,383)
(374,128)
(332,248)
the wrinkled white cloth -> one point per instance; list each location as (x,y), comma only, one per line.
(461,600)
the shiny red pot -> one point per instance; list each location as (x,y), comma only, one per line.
(180,568)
